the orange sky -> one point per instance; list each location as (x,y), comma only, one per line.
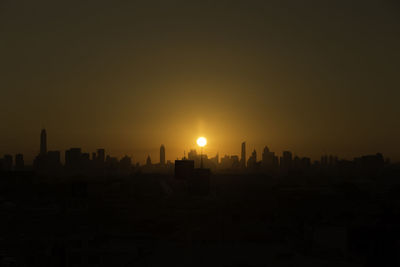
(309,77)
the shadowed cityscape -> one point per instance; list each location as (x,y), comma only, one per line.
(78,162)
(99,210)
(222,133)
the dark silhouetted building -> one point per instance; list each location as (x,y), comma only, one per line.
(162,155)
(370,165)
(301,164)
(111,163)
(252,161)
(125,163)
(98,159)
(40,161)
(269,161)
(73,158)
(243,156)
(267,157)
(286,161)
(199,182)
(235,161)
(184,169)
(85,160)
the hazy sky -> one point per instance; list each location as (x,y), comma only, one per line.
(308,76)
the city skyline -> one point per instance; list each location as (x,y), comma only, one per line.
(308,77)
(264,154)
(30,149)
(199,133)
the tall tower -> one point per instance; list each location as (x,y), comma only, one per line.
(43,142)
(162,155)
(243,156)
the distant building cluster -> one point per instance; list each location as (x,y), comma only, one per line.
(287,163)
(77,161)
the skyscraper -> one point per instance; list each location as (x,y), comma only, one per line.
(43,142)
(269,161)
(243,156)
(267,158)
(286,161)
(162,155)
(252,162)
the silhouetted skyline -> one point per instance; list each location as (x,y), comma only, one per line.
(306,76)
(101,163)
(199,133)
(268,158)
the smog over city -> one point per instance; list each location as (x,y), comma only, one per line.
(200,133)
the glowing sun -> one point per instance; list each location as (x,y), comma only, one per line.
(201,141)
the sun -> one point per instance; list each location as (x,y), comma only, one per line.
(201,141)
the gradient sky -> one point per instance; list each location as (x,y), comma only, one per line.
(308,76)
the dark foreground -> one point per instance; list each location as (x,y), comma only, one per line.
(155,220)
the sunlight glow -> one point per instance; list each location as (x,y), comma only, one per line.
(201,141)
